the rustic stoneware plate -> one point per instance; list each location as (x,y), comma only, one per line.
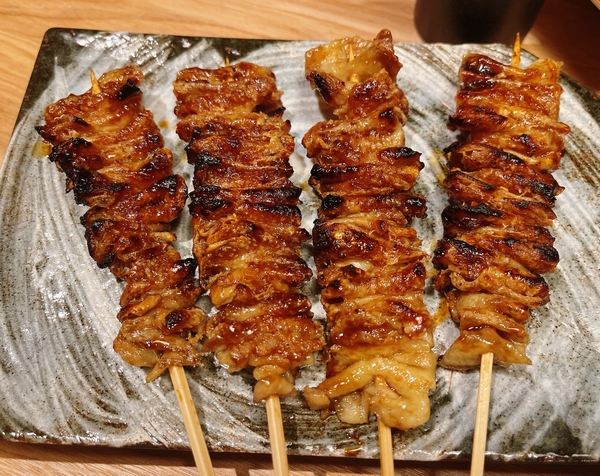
(61,382)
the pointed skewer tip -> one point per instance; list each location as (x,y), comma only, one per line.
(94,81)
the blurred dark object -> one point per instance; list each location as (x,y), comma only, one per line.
(475,21)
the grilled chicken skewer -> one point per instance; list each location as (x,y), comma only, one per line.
(368,258)
(496,245)
(247,229)
(113,155)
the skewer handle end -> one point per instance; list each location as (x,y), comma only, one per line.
(481,419)
(190,419)
(276,435)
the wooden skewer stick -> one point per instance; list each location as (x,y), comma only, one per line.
(386,451)
(190,420)
(276,436)
(386,447)
(481,418)
(182,390)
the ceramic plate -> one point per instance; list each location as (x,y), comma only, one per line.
(61,382)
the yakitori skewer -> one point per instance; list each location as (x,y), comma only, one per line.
(486,368)
(112,153)
(247,230)
(368,257)
(496,245)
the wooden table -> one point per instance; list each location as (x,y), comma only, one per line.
(567,30)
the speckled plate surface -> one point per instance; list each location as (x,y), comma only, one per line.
(61,382)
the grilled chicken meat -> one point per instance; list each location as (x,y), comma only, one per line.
(247,224)
(113,155)
(368,258)
(496,245)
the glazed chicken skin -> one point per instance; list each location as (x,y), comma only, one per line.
(247,224)
(112,153)
(496,245)
(368,258)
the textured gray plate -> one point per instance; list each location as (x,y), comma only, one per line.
(61,382)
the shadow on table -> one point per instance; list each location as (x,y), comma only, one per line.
(572,27)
